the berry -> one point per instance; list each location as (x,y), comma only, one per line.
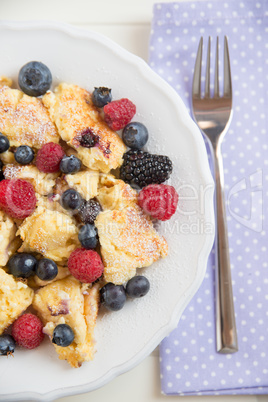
(89,211)
(71,199)
(138,286)
(24,154)
(27,331)
(113,297)
(70,164)
(22,265)
(159,200)
(46,269)
(49,157)
(89,139)
(7,345)
(118,114)
(85,265)
(88,236)
(135,135)
(17,198)
(101,96)
(63,335)
(4,143)
(35,78)
(141,168)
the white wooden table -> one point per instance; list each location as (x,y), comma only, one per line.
(127,22)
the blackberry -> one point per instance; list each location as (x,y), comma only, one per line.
(141,168)
(89,211)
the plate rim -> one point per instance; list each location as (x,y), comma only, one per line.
(158,81)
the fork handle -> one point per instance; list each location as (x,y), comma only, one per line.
(225,317)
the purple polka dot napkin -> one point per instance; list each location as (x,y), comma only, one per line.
(189,361)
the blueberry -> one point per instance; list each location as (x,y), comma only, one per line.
(35,78)
(24,154)
(135,135)
(46,269)
(88,236)
(4,143)
(70,164)
(101,96)
(7,345)
(22,265)
(137,286)
(71,199)
(113,297)
(63,335)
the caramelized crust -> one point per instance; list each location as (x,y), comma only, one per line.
(67,301)
(71,108)
(24,119)
(15,297)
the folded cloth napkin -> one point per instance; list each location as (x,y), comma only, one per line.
(188,358)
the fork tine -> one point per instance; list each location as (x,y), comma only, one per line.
(216,82)
(197,71)
(207,83)
(227,71)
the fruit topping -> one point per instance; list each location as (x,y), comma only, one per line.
(22,265)
(85,265)
(89,139)
(70,164)
(101,96)
(138,286)
(24,154)
(71,200)
(142,168)
(27,331)
(119,113)
(46,269)
(63,335)
(35,78)
(135,135)
(89,211)
(49,157)
(159,200)
(88,236)
(113,297)
(4,143)
(7,345)
(17,198)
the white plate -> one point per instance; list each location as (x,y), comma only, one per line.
(123,338)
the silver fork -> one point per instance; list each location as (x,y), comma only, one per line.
(213,116)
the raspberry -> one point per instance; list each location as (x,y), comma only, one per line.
(159,200)
(85,265)
(118,114)
(17,198)
(27,331)
(49,157)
